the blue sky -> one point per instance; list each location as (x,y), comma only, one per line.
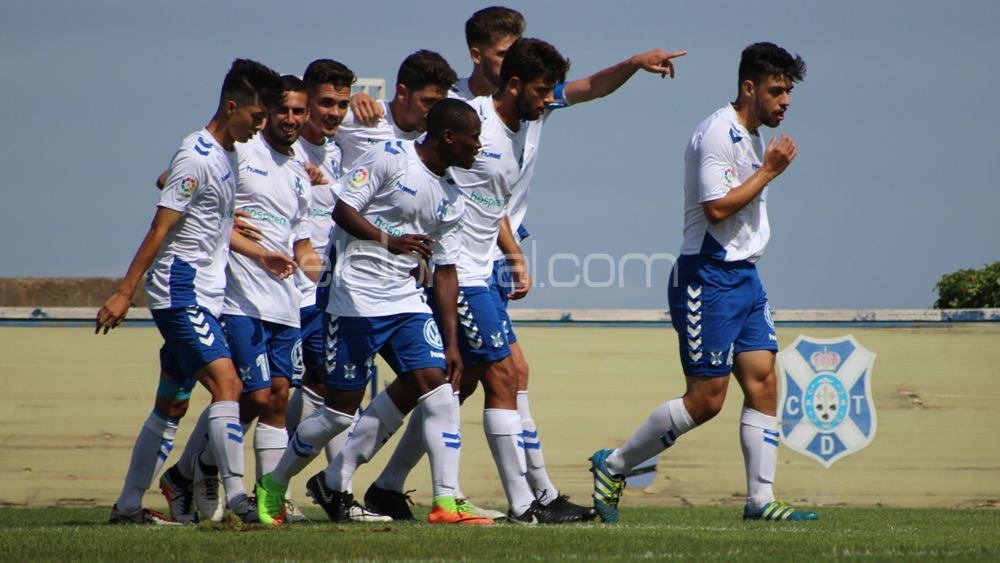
(894,185)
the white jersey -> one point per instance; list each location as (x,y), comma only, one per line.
(393,190)
(327,157)
(272,188)
(721,155)
(461,91)
(189,269)
(355,138)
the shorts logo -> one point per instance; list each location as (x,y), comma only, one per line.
(359,178)
(350,371)
(200,325)
(187,187)
(298,367)
(694,349)
(728,177)
(468,322)
(767,316)
(330,360)
(432,335)
(826,407)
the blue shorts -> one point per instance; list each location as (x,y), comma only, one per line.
(407,341)
(262,350)
(314,321)
(719,309)
(192,339)
(482,332)
(501,285)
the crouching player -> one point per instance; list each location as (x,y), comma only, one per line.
(398,206)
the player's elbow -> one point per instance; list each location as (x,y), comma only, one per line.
(714,214)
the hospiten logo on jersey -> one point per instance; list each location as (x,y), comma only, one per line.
(826,403)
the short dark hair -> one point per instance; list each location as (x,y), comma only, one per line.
(449,113)
(529,59)
(328,71)
(490,24)
(425,68)
(248,81)
(292,83)
(767,59)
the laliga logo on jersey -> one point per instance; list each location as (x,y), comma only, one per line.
(359,178)
(826,403)
(187,187)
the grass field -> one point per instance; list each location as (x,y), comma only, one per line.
(73,403)
(647,533)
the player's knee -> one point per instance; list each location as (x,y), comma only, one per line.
(346,402)
(179,408)
(703,407)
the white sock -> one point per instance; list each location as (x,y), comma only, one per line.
(503,432)
(268,445)
(372,431)
(538,478)
(207,456)
(657,433)
(336,445)
(301,405)
(225,440)
(442,439)
(196,444)
(408,452)
(152,446)
(759,440)
(304,446)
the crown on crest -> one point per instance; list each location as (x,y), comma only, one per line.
(824,360)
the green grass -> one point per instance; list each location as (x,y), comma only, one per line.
(649,532)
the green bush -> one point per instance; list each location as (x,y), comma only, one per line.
(969,289)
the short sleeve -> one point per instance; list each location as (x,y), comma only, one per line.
(362,182)
(716,166)
(448,243)
(185,177)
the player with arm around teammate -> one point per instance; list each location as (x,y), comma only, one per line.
(328,84)
(398,205)
(185,254)
(717,303)
(260,311)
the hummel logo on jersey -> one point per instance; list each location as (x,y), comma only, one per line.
(489,154)
(228,174)
(399,186)
(256,170)
(350,371)
(734,135)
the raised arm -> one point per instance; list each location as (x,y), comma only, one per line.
(606,81)
(780,152)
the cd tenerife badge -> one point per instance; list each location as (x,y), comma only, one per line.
(827,411)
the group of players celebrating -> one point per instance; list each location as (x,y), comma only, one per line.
(278,265)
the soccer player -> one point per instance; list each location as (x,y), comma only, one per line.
(328,84)
(398,206)
(490,34)
(185,252)
(717,303)
(423,79)
(261,311)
